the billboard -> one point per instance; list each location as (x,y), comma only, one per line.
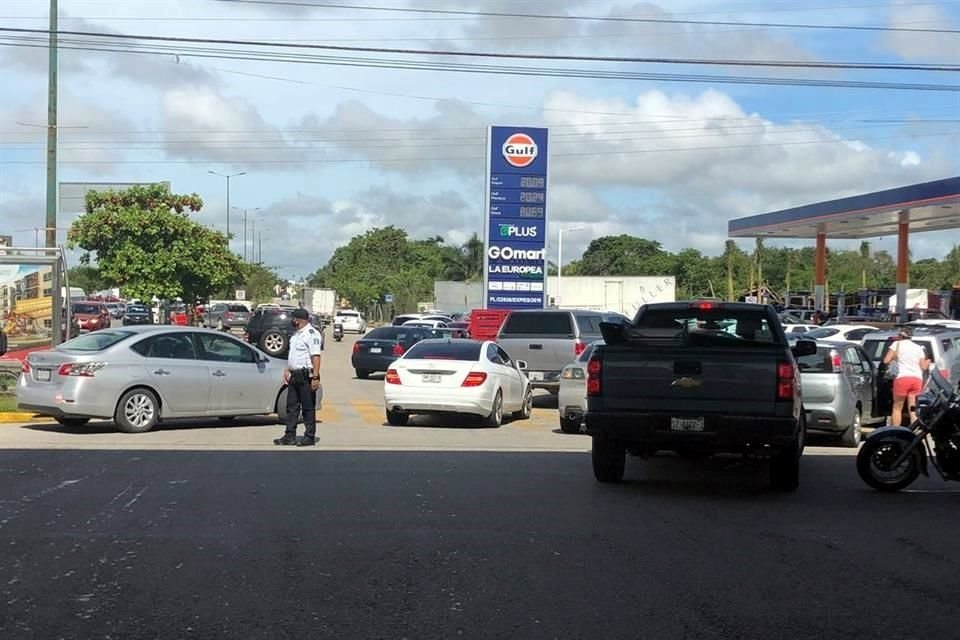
(515,224)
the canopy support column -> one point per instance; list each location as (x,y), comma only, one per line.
(820,282)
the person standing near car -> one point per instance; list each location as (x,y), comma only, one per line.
(302,377)
(911,362)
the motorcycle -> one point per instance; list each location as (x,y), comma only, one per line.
(338,332)
(893,457)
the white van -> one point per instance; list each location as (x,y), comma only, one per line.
(351,320)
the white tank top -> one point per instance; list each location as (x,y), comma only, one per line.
(909,355)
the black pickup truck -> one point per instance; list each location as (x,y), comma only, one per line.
(697,378)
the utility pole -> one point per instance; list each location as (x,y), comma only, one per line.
(52,82)
(228,176)
(260,241)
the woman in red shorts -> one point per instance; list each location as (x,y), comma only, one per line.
(911,363)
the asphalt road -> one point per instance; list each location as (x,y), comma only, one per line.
(441,530)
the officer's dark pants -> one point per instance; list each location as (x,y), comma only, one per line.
(300,397)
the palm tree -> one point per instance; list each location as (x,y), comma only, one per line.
(864,263)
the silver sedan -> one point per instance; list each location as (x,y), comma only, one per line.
(141,375)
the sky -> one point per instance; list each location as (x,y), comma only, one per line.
(331,149)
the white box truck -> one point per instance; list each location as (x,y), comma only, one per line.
(320,302)
(617,294)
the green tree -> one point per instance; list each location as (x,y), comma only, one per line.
(145,242)
(87,277)
(624,255)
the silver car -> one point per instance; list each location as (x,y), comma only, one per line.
(839,385)
(572,398)
(139,376)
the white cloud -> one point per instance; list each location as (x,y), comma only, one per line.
(917,45)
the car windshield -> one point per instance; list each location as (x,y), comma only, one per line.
(819,362)
(429,350)
(538,323)
(238,308)
(383,333)
(716,326)
(86,308)
(135,308)
(96,341)
(821,333)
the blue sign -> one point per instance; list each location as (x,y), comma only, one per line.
(515,265)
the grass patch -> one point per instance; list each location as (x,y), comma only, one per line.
(7,403)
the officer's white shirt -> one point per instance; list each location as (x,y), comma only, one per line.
(306,342)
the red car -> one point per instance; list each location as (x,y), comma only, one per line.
(91,315)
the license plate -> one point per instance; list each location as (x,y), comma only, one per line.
(535,375)
(43,375)
(376,350)
(686,424)
(431,377)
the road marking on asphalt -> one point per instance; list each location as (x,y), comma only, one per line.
(328,413)
(371,414)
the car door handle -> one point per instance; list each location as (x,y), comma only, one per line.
(161,372)
(218,373)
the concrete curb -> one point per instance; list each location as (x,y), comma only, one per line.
(18,417)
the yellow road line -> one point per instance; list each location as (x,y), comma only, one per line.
(371,414)
(329,413)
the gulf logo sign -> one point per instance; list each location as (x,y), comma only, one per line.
(519,150)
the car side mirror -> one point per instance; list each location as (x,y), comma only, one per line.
(804,348)
(522,365)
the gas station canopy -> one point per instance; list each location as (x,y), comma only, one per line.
(929,206)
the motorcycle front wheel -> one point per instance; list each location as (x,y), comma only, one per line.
(875,464)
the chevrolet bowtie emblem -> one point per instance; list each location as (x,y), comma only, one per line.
(686,383)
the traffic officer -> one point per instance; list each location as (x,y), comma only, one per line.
(302,377)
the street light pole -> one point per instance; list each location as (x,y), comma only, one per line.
(52,84)
(560,233)
(228,176)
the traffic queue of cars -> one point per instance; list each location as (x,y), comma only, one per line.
(431,366)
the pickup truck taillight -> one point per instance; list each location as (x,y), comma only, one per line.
(786,380)
(579,347)
(593,376)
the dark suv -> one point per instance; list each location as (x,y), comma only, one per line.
(270,330)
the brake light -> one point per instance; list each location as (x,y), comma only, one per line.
(392,377)
(474,379)
(593,376)
(228,315)
(80,369)
(836,361)
(706,306)
(398,350)
(786,381)
(579,347)
(356,347)
(25,367)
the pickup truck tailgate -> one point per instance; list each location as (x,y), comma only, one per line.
(543,355)
(728,381)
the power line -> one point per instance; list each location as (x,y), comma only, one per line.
(448,141)
(790,64)
(607,153)
(546,16)
(592,74)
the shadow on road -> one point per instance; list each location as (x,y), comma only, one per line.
(364,541)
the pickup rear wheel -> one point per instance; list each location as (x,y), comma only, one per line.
(569,425)
(609,459)
(785,468)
